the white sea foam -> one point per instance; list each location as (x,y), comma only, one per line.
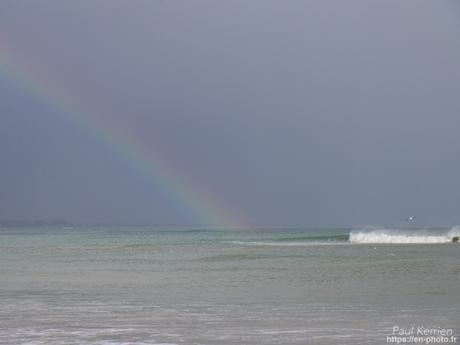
(403,236)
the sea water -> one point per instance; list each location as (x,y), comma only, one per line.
(133,285)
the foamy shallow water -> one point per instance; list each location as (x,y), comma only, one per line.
(123,323)
(144,286)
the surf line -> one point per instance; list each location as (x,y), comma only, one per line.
(190,196)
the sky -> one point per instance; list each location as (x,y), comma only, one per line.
(294,113)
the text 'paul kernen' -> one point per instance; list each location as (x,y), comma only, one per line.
(422,331)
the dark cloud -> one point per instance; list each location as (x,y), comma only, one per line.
(306,112)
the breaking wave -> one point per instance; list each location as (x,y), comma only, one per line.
(404,236)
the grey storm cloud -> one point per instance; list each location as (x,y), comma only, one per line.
(289,113)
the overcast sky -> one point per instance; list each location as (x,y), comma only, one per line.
(287,112)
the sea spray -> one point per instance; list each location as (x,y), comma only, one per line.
(385,235)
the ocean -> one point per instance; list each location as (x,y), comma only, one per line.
(146,285)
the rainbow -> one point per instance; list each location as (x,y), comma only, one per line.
(58,95)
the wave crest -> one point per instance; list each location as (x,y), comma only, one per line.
(403,236)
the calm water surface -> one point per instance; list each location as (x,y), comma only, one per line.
(220,286)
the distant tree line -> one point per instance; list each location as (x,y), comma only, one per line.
(24,223)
